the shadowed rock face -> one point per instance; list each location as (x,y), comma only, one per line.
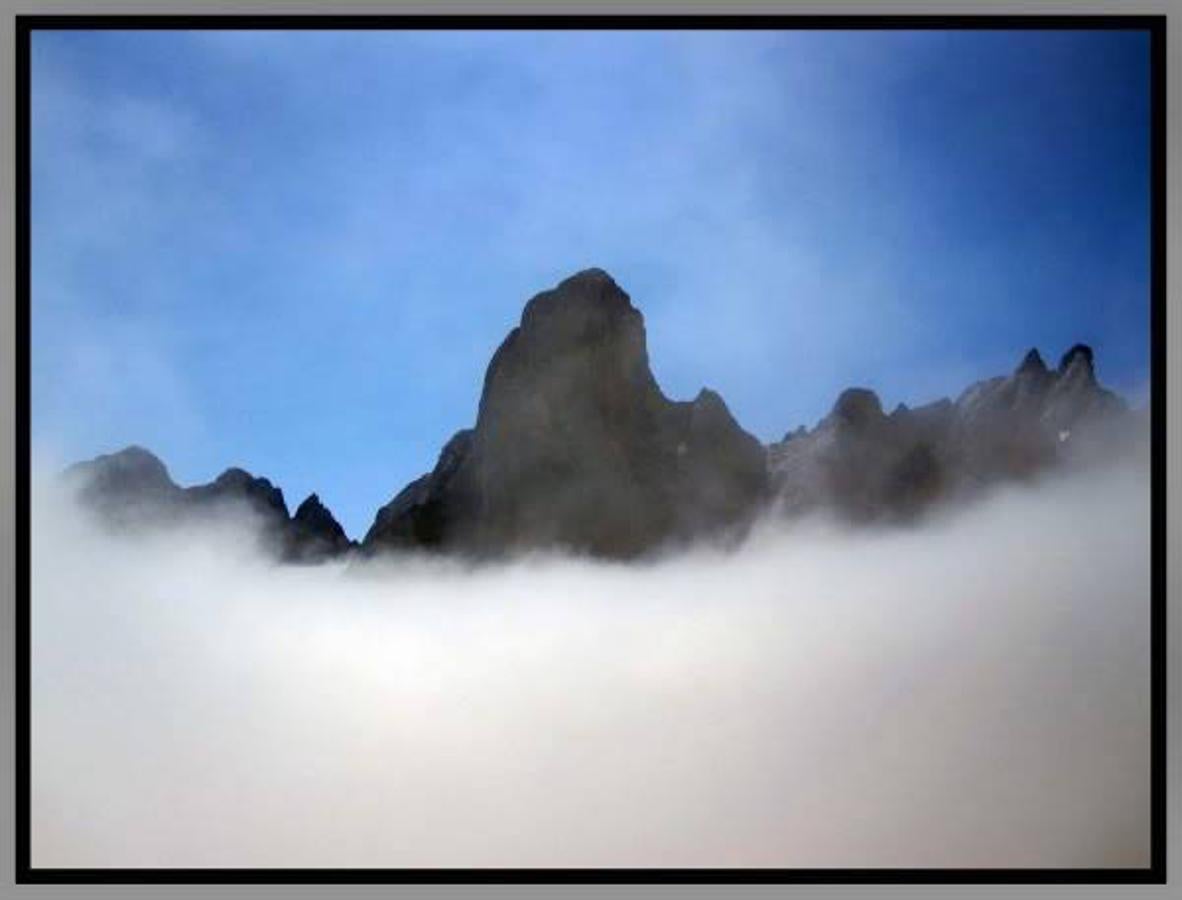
(575,446)
(132,491)
(864,465)
(313,534)
(429,509)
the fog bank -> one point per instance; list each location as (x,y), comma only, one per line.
(973,692)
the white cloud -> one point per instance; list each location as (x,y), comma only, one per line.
(974,693)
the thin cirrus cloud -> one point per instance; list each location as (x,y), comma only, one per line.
(320,238)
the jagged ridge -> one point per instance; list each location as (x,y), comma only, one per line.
(132,490)
(865,465)
(576,447)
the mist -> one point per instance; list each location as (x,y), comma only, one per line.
(973,691)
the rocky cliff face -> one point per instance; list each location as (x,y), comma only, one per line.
(576,447)
(865,465)
(132,491)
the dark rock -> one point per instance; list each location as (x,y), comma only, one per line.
(1076,403)
(238,494)
(865,466)
(800,431)
(1032,363)
(914,480)
(858,462)
(996,433)
(576,447)
(314,533)
(1081,357)
(428,509)
(721,474)
(857,407)
(132,491)
(238,487)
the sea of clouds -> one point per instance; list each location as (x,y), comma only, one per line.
(970,692)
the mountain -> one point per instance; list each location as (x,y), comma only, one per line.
(575,447)
(132,491)
(314,534)
(864,465)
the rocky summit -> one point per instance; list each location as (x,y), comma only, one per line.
(576,448)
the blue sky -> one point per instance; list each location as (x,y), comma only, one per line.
(297,251)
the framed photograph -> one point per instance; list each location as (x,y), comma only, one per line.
(590,448)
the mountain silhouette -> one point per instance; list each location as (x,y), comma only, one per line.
(575,447)
(864,464)
(132,491)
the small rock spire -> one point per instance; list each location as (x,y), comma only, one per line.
(1078,358)
(1032,362)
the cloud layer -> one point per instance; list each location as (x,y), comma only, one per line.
(971,693)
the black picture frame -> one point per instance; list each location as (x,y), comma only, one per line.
(1155,873)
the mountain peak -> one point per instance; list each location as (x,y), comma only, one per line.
(315,533)
(575,445)
(132,470)
(709,399)
(1079,357)
(857,406)
(136,451)
(1032,362)
(309,508)
(237,483)
(234,476)
(592,275)
(576,304)
(133,457)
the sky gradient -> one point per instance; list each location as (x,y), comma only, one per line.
(296,252)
